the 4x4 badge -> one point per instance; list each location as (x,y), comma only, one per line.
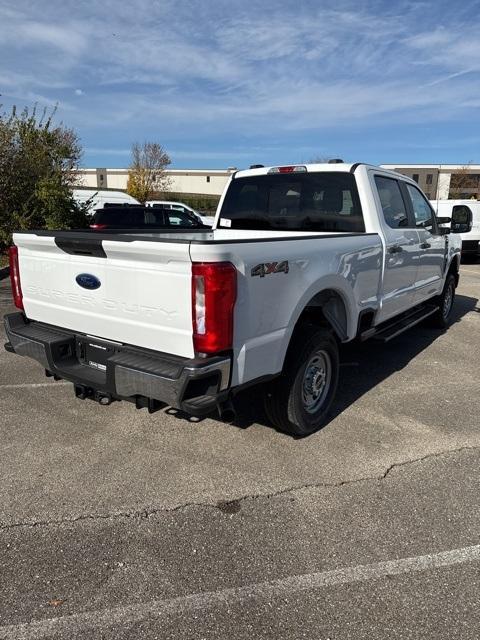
(266,268)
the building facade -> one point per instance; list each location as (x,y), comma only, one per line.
(443,181)
(188,181)
(437,181)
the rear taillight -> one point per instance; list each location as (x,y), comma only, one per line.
(98,226)
(214,291)
(15,277)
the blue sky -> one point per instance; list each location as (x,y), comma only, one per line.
(228,83)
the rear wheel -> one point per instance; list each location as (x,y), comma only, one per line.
(298,401)
(441,318)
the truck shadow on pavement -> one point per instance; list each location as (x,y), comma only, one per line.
(363,365)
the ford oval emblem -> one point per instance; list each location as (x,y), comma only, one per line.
(88,281)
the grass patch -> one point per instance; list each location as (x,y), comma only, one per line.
(3,260)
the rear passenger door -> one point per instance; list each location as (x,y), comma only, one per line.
(432,248)
(401,248)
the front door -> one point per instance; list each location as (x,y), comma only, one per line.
(432,254)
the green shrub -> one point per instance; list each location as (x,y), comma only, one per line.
(37,173)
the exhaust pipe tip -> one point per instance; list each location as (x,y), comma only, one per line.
(227,411)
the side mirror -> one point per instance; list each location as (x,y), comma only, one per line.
(462,219)
(444,220)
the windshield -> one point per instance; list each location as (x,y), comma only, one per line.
(295,202)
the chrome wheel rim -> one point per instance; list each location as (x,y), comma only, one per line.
(316,381)
(448,301)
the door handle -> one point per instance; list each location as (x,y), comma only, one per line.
(396,248)
(425,245)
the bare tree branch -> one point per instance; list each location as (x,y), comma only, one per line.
(464,184)
(147,173)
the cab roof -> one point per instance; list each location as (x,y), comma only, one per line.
(344,167)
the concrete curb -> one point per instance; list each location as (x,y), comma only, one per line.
(4,272)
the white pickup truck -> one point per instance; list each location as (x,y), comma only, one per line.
(301,259)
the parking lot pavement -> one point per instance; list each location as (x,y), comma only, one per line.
(117,524)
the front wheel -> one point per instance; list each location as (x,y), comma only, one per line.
(298,401)
(441,318)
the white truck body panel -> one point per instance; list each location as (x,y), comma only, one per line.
(268,308)
(145,297)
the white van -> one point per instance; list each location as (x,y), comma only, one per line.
(465,215)
(100,197)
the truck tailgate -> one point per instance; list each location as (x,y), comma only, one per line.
(144,296)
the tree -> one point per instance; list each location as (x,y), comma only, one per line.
(37,172)
(464,183)
(147,173)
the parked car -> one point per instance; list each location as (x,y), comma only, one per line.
(138,217)
(181,206)
(101,197)
(465,216)
(302,259)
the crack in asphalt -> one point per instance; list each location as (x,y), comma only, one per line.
(223,505)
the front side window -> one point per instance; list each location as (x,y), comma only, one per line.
(179,219)
(155,218)
(393,206)
(310,201)
(422,210)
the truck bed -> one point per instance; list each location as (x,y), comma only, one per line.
(145,297)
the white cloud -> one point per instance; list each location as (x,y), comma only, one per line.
(190,68)
(66,38)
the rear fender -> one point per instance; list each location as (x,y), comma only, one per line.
(337,305)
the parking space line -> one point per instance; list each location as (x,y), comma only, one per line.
(199,602)
(33,385)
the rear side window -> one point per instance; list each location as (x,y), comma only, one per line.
(393,205)
(295,202)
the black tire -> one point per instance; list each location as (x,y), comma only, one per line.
(445,301)
(298,401)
